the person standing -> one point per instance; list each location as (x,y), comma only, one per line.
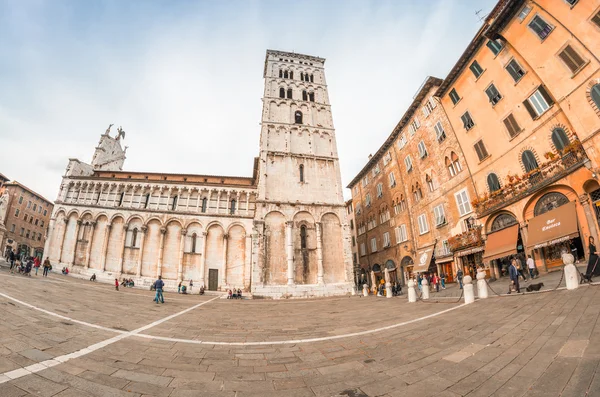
(159,285)
(443,280)
(12,258)
(117,284)
(36,264)
(592,269)
(191,285)
(459,277)
(531,266)
(513,273)
(520,269)
(47,267)
(179,288)
(436,281)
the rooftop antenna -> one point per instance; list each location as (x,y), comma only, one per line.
(480,16)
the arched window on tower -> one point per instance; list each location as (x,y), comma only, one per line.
(559,139)
(595,94)
(285,74)
(298,117)
(194,240)
(280,73)
(301,171)
(282,92)
(450,168)
(289,93)
(303,237)
(232,207)
(304,96)
(204,204)
(311,96)
(311,78)
(302,76)
(455,162)
(493,182)
(529,161)
(134,234)
(174,203)
(291,74)
(147,201)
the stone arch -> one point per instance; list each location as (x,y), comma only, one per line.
(83,238)
(133,217)
(133,240)
(171,249)
(491,178)
(69,241)
(236,255)
(305,259)
(593,84)
(96,252)
(151,247)
(154,219)
(71,212)
(179,221)
(500,221)
(274,270)
(214,249)
(529,208)
(561,126)
(591,185)
(192,253)
(100,214)
(117,215)
(333,253)
(115,243)
(523,150)
(215,223)
(56,239)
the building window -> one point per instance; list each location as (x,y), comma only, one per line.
(440,134)
(174,203)
(414,126)
(45,212)
(408,163)
(29,204)
(34,207)
(559,139)
(524,12)
(42,224)
(476,69)
(121,197)
(298,117)
(512,126)
(423,225)
(572,59)
(482,153)
(454,96)
(375,170)
(401,234)
(289,93)
(147,200)
(417,193)
(392,179)
(540,27)
(422,149)
(429,106)
(17,213)
(303,237)
(12,228)
(467,121)
(379,190)
(365,181)
(493,182)
(595,94)
(280,73)
(430,183)
(571,2)
(21,200)
(596,19)
(301,172)
(386,239)
(401,141)
(27,234)
(440,215)
(311,78)
(368,200)
(25,217)
(194,241)
(285,74)
(204,204)
(282,92)
(538,102)
(291,74)
(304,95)
(529,161)
(495,46)
(462,202)
(134,234)
(22,232)
(311,96)
(493,94)
(387,158)
(515,70)
(363,249)
(36,222)
(373,244)
(232,205)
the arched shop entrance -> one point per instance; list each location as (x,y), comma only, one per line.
(394,276)
(504,241)
(554,228)
(406,267)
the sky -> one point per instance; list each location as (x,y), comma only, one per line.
(184,78)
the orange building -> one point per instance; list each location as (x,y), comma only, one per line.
(524,101)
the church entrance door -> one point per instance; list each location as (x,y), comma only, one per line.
(213,279)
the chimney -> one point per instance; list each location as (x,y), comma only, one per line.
(370,157)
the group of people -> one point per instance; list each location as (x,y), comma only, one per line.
(26,265)
(182,289)
(234,294)
(396,289)
(434,281)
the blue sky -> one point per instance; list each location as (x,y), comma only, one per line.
(184,78)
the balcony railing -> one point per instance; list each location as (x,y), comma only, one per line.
(443,252)
(470,238)
(518,187)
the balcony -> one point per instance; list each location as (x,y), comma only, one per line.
(468,239)
(519,187)
(442,252)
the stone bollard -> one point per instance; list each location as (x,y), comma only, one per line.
(571,272)
(425,289)
(482,289)
(365,290)
(468,289)
(412,294)
(388,283)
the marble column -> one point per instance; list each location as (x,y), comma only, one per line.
(62,240)
(181,249)
(203,259)
(49,237)
(88,251)
(247,202)
(218,200)
(161,249)
(143,230)
(123,242)
(105,246)
(77,227)
(225,238)
(289,245)
(320,272)
(237,203)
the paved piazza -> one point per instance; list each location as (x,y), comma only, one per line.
(62,336)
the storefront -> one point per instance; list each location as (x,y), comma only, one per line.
(470,259)
(406,267)
(500,246)
(552,232)
(446,266)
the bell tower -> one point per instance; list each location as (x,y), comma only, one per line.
(300,213)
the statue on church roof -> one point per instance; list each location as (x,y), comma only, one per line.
(108,129)
(120,133)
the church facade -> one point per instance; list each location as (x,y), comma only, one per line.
(281,233)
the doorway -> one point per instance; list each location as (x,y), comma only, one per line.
(213,279)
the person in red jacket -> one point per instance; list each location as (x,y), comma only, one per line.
(117,284)
(36,264)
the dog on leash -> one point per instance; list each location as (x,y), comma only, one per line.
(585,278)
(534,287)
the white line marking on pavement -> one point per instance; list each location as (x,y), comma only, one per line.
(32,369)
(293,341)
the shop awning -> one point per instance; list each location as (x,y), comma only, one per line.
(501,243)
(423,259)
(553,227)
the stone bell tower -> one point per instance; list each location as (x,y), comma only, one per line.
(303,239)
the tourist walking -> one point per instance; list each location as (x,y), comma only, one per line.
(179,288)
(520,268)
(117,284)
(443,280)
(419,281)
(36,264)
(436,281)
(191,285)
(592,269)
(531,266)
(459,277)
(159,285)
(513,273)
(12,258)
(47,267)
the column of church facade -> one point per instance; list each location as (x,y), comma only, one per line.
(225,239)
(203,259)
(181,249)
(161,248)
(289,245)
(318,228)
(89,246)
(143,229)
(105,246)
(123,242)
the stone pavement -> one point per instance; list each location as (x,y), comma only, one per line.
(94,341)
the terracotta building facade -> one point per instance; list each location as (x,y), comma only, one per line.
(522,107)
(281,233)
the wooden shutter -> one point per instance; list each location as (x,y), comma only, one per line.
(530,109)
(571,58)
(546,95)
(511,125)
(596,19)
(481,150)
